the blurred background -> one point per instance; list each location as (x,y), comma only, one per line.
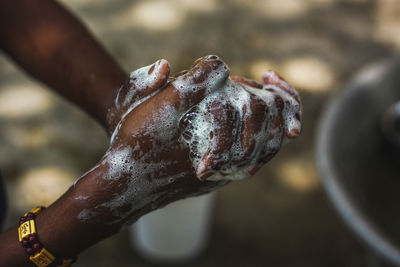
(280,217)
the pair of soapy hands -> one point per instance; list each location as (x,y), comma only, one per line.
(150,162)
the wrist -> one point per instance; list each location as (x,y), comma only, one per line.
(30,241)
(107,198)
(59,227)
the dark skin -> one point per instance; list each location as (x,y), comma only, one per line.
(49,43)
(54,47)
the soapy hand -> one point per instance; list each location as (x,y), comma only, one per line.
(141,84)
(190,134)
(234,131)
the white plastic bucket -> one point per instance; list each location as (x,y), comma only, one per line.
(175,233)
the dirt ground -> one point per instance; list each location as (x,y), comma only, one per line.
(281,217)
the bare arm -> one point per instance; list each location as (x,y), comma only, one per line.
(49,43)
(59,228)
(53,46)
(148,165)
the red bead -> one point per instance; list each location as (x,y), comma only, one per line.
(25,243)
(32,239)
(29,251)
(36,247)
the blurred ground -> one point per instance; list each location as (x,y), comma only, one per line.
(281,217)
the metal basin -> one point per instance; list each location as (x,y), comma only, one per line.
(359,169)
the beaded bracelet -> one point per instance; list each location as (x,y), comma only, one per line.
(32,246)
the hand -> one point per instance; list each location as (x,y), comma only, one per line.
(155,156)
(280,112)
(141,84)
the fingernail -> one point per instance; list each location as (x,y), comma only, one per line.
(214,57)
(162,63)
(203,170)
(271,77)
(293,133)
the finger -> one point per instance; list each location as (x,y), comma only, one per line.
(262,128)
(272,80)
(254,125)
(291,112)
(177,97)
(273,83)
(288,113)
(247,82)
(269,136)
(275,132)
(292,117)
(206,76)
(224,119)
(140,85)
(143,82)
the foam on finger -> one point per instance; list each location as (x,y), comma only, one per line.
(205,77)
(201,129)
(283,117)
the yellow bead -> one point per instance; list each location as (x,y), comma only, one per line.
(26,229)
(35,210)
(43,258)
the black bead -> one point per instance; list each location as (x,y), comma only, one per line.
(29,251)
(25,243)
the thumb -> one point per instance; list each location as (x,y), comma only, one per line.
(143,82)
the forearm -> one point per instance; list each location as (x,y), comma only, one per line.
(64,228)
(53,46)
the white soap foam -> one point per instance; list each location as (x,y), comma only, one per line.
(216,79)
(145,177)
(200,127)
(141,80)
